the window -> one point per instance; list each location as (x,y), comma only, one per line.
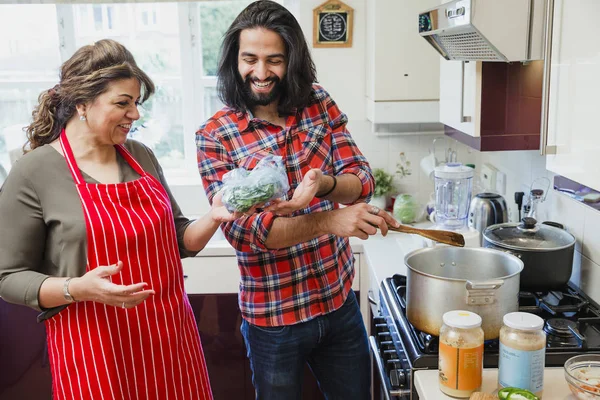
(176,43)
(29,61)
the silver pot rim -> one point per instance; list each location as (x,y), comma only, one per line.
(503,245)
(474,249)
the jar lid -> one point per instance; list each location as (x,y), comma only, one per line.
(523,321)
(453,171)
(461,319)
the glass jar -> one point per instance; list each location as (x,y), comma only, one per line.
(522,352)
(460,353)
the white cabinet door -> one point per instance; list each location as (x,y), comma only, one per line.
(575,92)
(402,69)
(406,67)
(460,95)
(211,275)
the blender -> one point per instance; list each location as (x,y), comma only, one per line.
(453,185)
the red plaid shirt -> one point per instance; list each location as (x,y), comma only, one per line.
(298,283)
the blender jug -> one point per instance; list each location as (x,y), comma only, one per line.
(453,185)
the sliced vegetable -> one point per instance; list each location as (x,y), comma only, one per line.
(503,393)
(511,393)
(522,395)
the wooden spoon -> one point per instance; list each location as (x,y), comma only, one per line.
(446,237)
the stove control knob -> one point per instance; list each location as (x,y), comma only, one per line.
(397,377)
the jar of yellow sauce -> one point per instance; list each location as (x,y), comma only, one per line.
(460,353)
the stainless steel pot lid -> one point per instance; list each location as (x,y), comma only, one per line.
(529,236)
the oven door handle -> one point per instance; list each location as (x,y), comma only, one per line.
(388,391)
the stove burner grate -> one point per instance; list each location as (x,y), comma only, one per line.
(560,327)
(562,303)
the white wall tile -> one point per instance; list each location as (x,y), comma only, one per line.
(561,208)
(406,144)
(590,278)
(377,158)
(591,235)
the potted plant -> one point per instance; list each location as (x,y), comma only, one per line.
(383,187)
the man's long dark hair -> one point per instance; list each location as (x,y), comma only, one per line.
(301,72)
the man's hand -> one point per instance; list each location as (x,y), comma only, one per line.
(303,195)
(360,220)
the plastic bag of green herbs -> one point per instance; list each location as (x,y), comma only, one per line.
(244,189)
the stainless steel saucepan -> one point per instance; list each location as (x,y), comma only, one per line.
(443,278)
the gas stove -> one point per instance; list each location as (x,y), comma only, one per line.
(572,326)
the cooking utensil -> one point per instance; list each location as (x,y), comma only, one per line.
(446,237)
(443,278)
(547,251)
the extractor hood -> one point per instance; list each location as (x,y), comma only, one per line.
(486,30)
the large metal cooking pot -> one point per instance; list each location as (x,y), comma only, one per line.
(546,251)
(444,278)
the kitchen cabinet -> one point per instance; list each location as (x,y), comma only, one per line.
(460,91)
(24,366)
(574,92)
(402,70)
(492,106)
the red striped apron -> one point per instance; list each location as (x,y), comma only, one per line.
(151,351)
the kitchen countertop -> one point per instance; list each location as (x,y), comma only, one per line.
(555,385)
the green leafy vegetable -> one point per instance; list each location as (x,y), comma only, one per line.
(383,182)
(244,189)
(242,198)
(406,208)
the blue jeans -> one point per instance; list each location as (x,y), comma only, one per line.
(335,347)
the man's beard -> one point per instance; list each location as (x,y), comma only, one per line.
(261,99)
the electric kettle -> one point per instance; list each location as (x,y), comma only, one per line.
(487,209)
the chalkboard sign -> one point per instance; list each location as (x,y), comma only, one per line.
(332,25)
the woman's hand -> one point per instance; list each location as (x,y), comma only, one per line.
(96,286)
(218,211)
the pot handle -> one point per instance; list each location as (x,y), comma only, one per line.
(485,285)
(482,293)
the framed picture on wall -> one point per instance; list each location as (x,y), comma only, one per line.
(332,24)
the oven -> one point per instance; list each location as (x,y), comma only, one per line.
(392,370)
